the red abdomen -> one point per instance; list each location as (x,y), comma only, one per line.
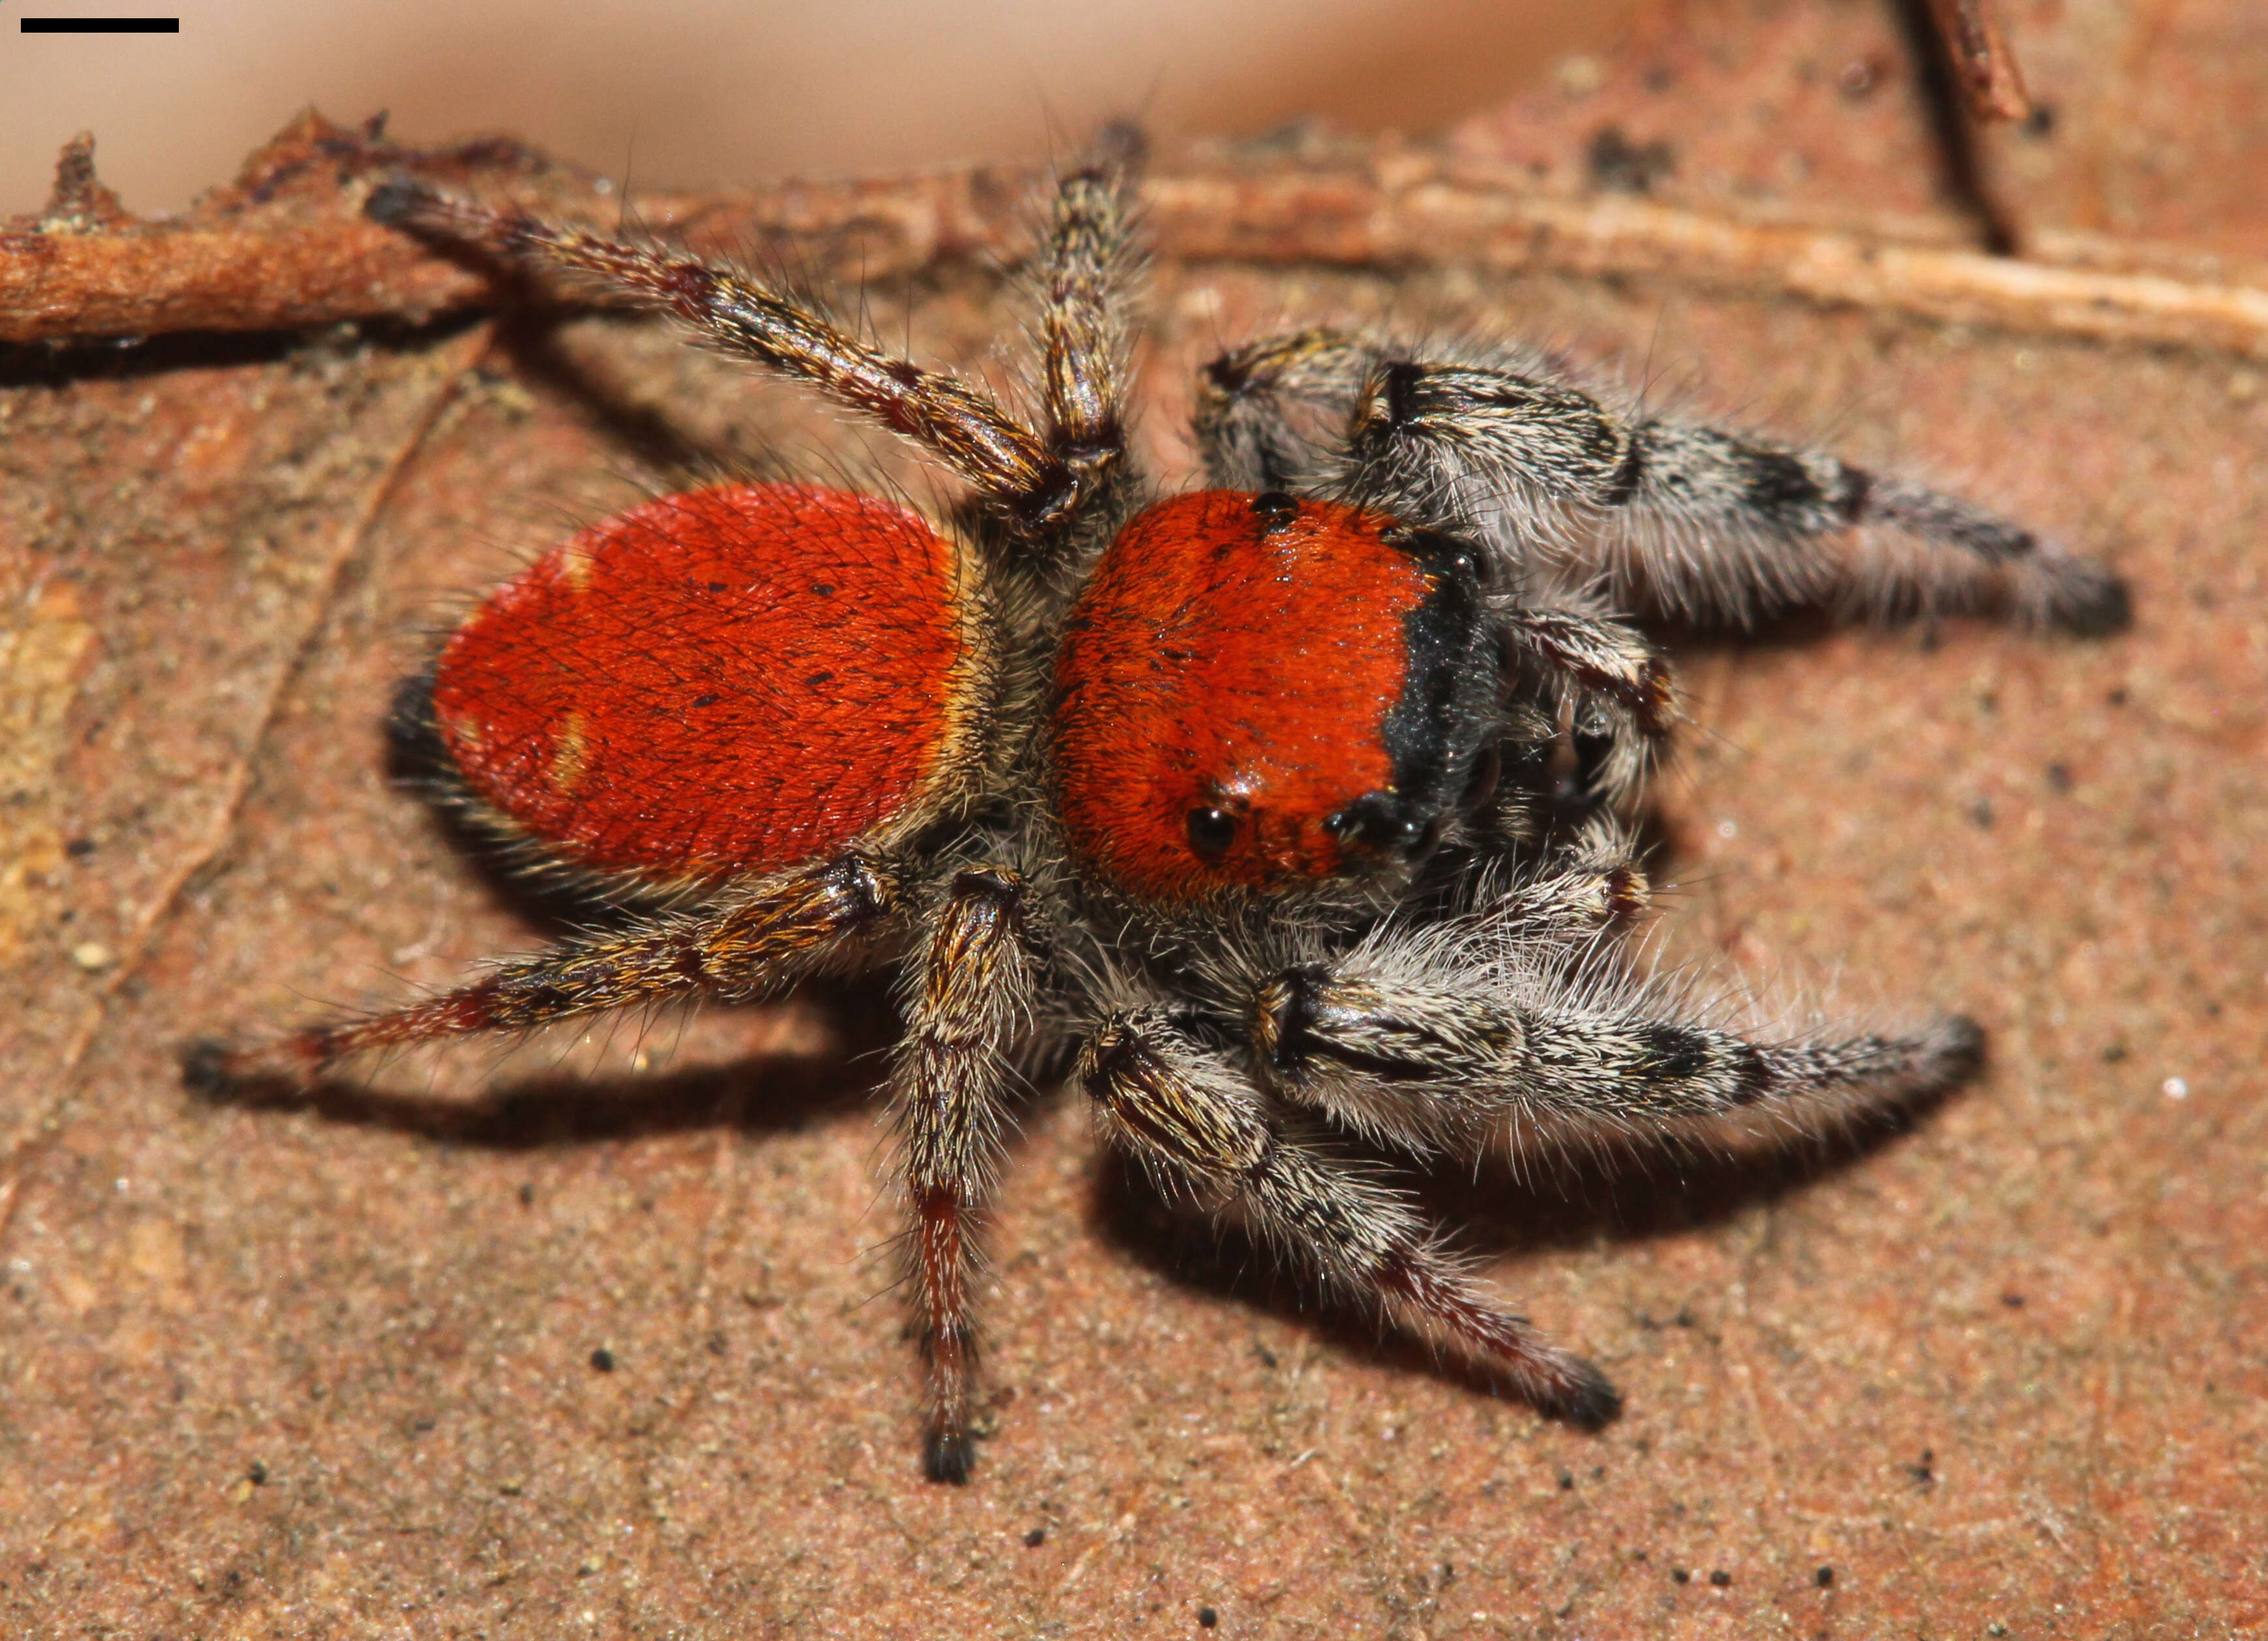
(729,680)
(1255,692)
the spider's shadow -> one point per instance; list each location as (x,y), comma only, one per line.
(556,1107)
(1566,1197)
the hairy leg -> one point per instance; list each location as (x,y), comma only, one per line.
(1589,887)
(968,1000)
(960,425)
(1454,1038)
(1188,1115)
(746,946)
(1088,278)
(1274,413)
(1649,512)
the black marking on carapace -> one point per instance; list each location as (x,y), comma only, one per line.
(1447,712)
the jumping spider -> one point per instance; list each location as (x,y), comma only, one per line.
(1292,806)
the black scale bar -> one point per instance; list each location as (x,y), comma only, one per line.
(100,25)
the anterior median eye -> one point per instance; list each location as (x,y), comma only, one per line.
(1211,831)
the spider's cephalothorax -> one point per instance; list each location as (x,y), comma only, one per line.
(1277,808)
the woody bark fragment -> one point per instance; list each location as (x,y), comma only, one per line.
(1990,82)
(286,245)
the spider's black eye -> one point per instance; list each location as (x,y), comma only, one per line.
(1210,832)
(1275,508)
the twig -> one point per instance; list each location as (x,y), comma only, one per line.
(1982,61)
(287,244)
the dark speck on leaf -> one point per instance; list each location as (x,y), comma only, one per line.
(1036,1537)
(706,701)
(821,589)
(1824,1577)
(1721,1579)
(1207,1618)
(817,679)
(1627,167)
(603,1359)
(1678,1575)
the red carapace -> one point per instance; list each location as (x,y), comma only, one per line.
(1255,691)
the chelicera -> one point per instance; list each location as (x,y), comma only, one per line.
(1282,814)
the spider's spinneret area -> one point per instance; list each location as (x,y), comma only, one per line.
(1260,693)
(726,681)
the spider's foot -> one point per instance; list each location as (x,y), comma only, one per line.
(1584,1397)
(1954,1048)
(216,1070)
(209,1067)
(949,1455)
(2089,601)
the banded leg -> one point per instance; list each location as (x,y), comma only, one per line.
(958,423)
(1428,1045)
(968,1001)
(1087,274)
(1649,512)
(742,948)
(1195,1123)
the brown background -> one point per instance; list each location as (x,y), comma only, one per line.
(328,1370)
(696,92)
